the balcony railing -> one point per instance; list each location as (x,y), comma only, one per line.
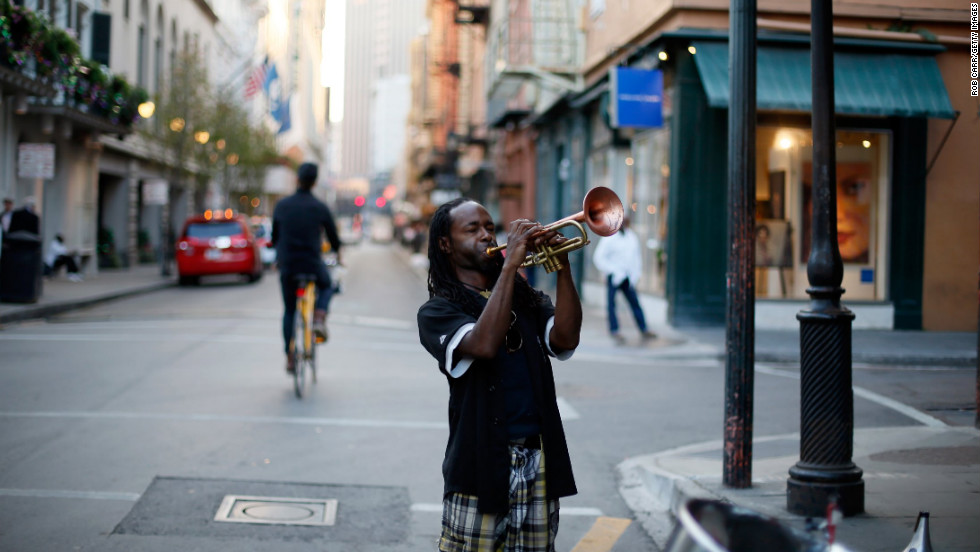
(531,39)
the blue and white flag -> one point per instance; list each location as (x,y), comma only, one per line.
(270,76)
(283,117)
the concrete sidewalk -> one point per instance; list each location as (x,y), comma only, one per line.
(59,294)
(906,470)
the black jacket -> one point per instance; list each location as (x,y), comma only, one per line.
(296,224)
(477,460)
(22,220)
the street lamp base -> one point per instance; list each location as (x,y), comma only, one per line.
(809,498)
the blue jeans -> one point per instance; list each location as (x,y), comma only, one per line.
(324,291)
(630,292)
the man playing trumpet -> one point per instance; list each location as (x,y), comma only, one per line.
(493,335)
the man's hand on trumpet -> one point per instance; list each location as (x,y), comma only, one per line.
(529,237)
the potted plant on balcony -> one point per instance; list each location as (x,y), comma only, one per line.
(88,84)
(56,51)
(119,93)
(17,34)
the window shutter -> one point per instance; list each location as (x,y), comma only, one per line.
(101,30)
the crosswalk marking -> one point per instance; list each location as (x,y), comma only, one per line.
(566,411)
(54,493)
(178,417)
(603,535)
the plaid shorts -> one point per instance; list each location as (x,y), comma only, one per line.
(530,525)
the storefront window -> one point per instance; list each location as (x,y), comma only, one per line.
(784,210)
(647,204)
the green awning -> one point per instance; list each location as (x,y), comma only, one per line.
(865,83)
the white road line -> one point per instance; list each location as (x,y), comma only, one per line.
(565,511)
(340,422)
(271,321)
(390,323)
(426,507)
(902,409)
(566,411)
(93,495)
(592,512)
(408,347)
(133,497)
(905,409)
(604,359)
(155,337)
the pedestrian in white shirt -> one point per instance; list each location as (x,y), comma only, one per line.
(619,258)
(59,256)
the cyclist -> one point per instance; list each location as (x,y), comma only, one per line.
(298,223)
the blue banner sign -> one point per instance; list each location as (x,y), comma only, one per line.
(637,98)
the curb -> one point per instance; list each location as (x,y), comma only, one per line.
(45,311)
(656,496)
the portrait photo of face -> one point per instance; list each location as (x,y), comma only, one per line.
(855,190)
(773,246)
(854,211)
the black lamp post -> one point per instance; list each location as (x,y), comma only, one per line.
(825,472)
(740,297)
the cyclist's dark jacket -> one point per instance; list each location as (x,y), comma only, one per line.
(477,460)
(296,225)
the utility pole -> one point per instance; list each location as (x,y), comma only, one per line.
(740,282)
(825,472)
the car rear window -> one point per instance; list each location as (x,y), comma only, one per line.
(213,229)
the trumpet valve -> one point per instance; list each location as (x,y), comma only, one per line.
(551,262)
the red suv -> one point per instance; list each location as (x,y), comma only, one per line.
(210,245)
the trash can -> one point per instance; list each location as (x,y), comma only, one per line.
(715,526)
(20,267)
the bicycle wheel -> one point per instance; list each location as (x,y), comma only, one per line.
(301,354)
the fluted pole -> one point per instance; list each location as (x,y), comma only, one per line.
(825,471)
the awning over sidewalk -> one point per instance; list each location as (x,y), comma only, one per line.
(865,83)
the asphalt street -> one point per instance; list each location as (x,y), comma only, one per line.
(124,425)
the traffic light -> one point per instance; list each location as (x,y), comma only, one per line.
(359,201)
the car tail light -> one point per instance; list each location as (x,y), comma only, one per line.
(301,292)
(185,247)
(239,243)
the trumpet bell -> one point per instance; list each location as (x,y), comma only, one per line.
(603,211)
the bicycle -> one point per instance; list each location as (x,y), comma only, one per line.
(303,345)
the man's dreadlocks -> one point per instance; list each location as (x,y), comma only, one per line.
(442,278)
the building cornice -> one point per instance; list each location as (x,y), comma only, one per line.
(206,8)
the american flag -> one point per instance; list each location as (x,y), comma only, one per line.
(256,80)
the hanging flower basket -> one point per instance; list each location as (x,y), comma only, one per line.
(31,44)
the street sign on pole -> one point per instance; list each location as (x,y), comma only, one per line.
(636,98)
(156,192)
(35,161)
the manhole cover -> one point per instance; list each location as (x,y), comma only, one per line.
(277,510)
(270,512)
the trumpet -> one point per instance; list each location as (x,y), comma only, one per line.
(602,212)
